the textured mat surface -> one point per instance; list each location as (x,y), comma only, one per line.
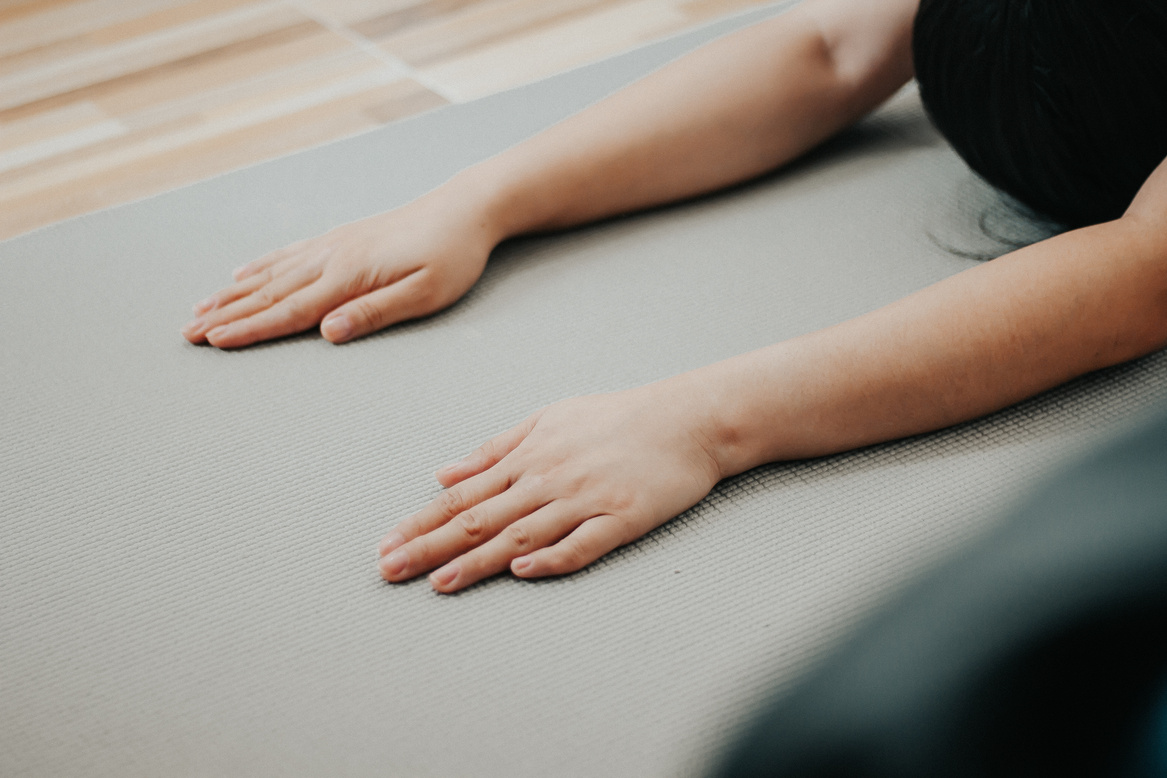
(188,580)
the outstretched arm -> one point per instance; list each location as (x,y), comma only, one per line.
(731,110)
(587,475)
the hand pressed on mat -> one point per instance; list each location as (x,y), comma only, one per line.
(730,111)
(358,278)
(572,482)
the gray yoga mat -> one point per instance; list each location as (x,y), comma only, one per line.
(188,580)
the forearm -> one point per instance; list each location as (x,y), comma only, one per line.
(979,341)
(734,109)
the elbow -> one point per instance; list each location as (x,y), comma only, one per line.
(865,48)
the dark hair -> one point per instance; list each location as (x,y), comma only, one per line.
(1060,103)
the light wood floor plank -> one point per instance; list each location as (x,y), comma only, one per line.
(107,63)
(481,25)
(105,101)
(125,85)
(165,19)
(59,144)
(299,99)
(411,15)
(352,12)
(11,10)
(154,173)
(541,53)
(57,21)
(44,124)
(298,48)
(704,10)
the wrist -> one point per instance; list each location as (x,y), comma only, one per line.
(522,191)
(755,408)
(495,194)
(713,402)
(477,196)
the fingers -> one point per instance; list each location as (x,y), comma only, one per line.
(248,278)
(587,543)
(541,528)
(444,507)
(251,296)
(240,289)
(267,260)
(471,529)
(295,313)
(401,300)
(487,455)
(264,306)
(555,539)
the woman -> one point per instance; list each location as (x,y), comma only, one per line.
(1059,102)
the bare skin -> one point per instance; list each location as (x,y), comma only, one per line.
(586,475)
(724,124)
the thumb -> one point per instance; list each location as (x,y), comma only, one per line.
(401,300)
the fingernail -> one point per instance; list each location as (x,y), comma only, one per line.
(337,327)
(520,564)
(390,542)
(219,332)
(395,563)
(204,305)
(446,575)
(193,327)
(456,462)
(235,273)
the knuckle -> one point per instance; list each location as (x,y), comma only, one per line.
(577,482)
(217,316)
(622,502)
(368,313)
(488,451)
(358,278)
(574,555)
(472,525)
(518,537)
(408,528)
(536,483)
(450,503)
(264,297)
(293,310)
(531,487)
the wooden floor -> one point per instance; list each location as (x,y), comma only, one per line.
(107,101)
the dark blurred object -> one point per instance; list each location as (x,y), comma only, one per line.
(1040,650)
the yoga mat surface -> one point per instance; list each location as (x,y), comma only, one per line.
(189,581)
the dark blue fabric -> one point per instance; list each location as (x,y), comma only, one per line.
(1040,650)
